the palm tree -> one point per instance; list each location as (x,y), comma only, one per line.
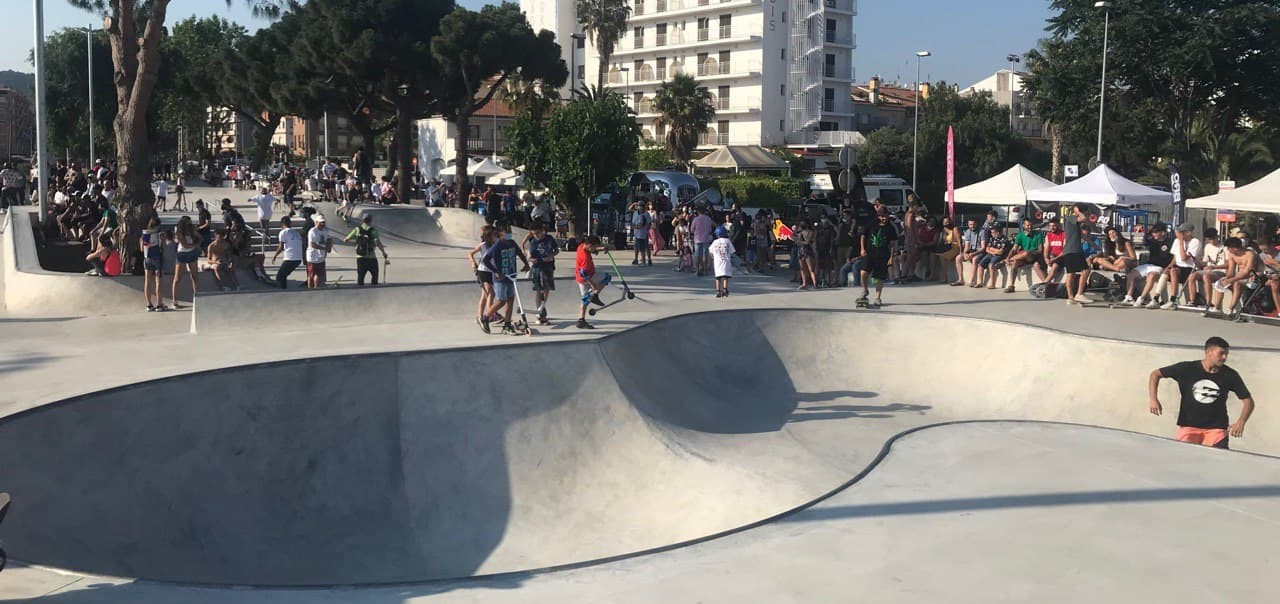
(685,110)
(534,96)
(605,21)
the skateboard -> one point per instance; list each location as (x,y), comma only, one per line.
(867,304)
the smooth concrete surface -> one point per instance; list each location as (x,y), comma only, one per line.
(30,289)
(421,468)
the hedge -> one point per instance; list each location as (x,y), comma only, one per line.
(763,191)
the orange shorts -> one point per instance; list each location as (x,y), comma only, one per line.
(1209,437)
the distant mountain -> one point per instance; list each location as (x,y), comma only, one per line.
(22,82)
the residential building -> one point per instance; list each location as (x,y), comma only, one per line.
(486,136)
(228,132)
(17,124)
(880,105)
(1005,87)
(777,71)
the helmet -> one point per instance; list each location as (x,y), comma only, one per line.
(721,232)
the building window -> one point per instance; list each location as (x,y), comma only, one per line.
(726,26)
(831,30)
(782,89)
(722,97)
(782,54)
(784,16)
(582,42)
(473,131)
(829,66)
(639,10)
(638,35)
(724,61)
(828,99)
(662,68)
(704,29)
(661,5)
(582,72)
(781,125)
(661,35)
(722,127)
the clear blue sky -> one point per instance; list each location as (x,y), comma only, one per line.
(968,38)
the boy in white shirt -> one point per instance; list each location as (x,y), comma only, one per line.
(1186,260)
(291,245)
(162,191)
(721,251)
(319,244)
(265,202)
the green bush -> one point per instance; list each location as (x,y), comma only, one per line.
(762,191)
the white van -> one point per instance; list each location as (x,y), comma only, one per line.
(889,189)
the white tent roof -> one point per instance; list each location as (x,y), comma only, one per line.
(486,168)
(741,157)
(1103,186)
(1261,196)
(510,178)
(1008,188)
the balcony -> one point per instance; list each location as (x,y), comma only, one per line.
(713,140)
(716,69)
(830,138)
(486,144)
(849,7)
(736,105)
(650,11)
(834,38)
(677,40)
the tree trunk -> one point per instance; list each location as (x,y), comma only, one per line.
(602,69)
(262,133)
(1055,172)
(404,153)
(462,185)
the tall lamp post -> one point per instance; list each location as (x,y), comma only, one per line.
(1102,95)
(915,130)
(88,44)
(42,165)
(1013,95)
(573,63)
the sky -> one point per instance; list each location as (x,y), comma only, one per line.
(969,39)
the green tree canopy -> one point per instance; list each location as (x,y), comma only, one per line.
(684,109)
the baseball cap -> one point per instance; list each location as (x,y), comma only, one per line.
(318,218)
(1186,227)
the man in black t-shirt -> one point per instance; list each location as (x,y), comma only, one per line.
(877,248)
(1204,384)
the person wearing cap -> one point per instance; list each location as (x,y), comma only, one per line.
(722,252)
(1186,252)
(319,244)
(877,249)
(1142,279)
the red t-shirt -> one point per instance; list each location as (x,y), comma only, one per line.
(584,264)
(1053,243)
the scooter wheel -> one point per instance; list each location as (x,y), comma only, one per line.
(591,311)
(631,296)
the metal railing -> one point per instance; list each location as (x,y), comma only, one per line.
(714,68)
(845,39)
(736,104)
(704,34)
(847,6)
(719,138)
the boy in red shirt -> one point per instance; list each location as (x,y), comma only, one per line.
(1054,241)
(590,283)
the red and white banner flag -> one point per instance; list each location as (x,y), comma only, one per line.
(951,172)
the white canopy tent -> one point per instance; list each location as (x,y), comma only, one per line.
(509,178)
(1103,187)
(1008,188)
(1261,196)
(476,168)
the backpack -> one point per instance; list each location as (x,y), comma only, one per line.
(364,242)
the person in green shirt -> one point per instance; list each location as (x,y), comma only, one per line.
(1026,251)
(367,245)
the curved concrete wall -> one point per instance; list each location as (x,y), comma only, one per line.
(413,466)
(434,226)
(31,290)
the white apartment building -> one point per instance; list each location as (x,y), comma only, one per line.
(779,70)
(1005,87)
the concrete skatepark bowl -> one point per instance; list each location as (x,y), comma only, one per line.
(418,466)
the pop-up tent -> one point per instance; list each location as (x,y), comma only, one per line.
(1008,188)
(1103,187)
(740,158)
(1261,196)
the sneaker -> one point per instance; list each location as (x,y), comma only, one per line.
(719,294)
(175,306)
(595,299)
(1128,299)
(635,262)
(1170,305)
(542,315)
(151,308)
(1153,304)
(484,325)
(93,272)
(1009,290)
(1083,299)
(583,324)
(1136,303)
(509,330)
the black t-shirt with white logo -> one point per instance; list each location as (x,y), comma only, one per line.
(1204,394)
(1159,253)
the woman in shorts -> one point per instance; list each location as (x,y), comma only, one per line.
(484,276)
(1117,253)
(151,244)
(188,241)
(802,249)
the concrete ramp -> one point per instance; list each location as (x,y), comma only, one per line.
(430,465)
(451,227)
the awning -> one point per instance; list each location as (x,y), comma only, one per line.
(1008,188)
(1263,195)
(739,158)
(1104,187)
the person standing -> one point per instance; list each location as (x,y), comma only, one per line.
(13,184)
(188,241)
(877,248)
(319,244)
(590,283)
(1204,384)
(702,228)
(1072,259)
(542,252)
(722,252)
(291,246)
(501,261)
(264,201)
(367,245)
(151,244)
(162,191)
(640,221)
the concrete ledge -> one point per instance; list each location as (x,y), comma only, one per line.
(437,226)
(31,290)
(293,309)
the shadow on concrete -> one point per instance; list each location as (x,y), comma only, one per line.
(968,504)
(4,320)
(823,412)
(24,363)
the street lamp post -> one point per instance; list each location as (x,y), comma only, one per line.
(1102,95)
(42,166)
(915,131)
(88,44)
(1013,95)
